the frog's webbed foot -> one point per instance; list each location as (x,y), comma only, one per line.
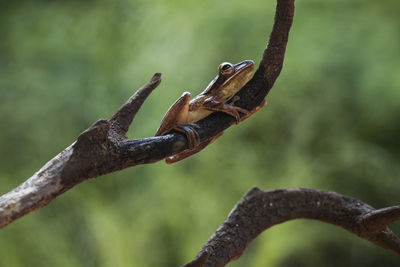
(191,134)
(234,111)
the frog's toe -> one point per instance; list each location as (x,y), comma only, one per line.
(191,134)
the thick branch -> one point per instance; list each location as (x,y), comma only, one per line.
(259,210)
(104,148)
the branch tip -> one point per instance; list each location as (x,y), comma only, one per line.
(123,118)
(156,79)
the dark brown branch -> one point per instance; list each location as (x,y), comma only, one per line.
(272,61)
(259,210)
(123,118)
(377,220)
(104,148)
(199,261)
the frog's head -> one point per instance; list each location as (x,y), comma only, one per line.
(230,79)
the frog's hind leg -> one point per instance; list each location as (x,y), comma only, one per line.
(187,153)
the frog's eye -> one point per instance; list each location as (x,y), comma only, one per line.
(225,68)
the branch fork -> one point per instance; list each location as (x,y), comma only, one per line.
(104,148)
(259,210)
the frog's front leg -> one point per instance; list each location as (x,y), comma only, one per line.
(213,105)
(176,119)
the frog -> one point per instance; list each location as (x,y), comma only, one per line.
(218,96)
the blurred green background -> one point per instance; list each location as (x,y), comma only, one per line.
(332,123)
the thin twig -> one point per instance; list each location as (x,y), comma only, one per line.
(123,118)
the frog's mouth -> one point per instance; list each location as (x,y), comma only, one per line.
(246,64)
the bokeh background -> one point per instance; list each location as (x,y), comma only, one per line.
(332,123)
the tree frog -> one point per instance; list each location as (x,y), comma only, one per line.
(217,97)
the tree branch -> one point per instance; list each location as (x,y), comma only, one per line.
(104,148)
(259,210)
(94,153)
(377,220)
(123,118)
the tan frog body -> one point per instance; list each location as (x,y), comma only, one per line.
(184,113)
